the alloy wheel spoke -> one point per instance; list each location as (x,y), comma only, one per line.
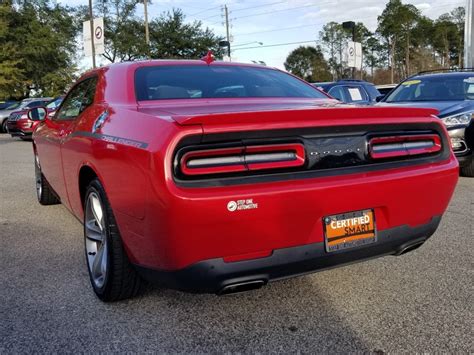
(93,231)
(97,268)
(96,209)
(103,263)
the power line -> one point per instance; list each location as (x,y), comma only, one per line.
(276,45)
(315,24)
(274,11)
(277,29)
(263,5)
(248,8)
(206,10)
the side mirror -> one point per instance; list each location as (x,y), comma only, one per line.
(38,114)
(379,98)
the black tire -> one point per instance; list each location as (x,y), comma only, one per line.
(26,139)
(4,126)
(468,170)
(44,191)
(121,280)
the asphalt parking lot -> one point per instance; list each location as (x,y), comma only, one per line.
(421,301)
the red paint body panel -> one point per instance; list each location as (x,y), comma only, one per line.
(168,226)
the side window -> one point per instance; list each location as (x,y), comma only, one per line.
(34,104)
(78,99)
(337,92)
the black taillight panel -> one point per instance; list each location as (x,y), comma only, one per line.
(241,157)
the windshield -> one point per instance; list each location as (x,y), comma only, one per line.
(217,81)
(456,87)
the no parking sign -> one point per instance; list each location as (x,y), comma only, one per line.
(98,36)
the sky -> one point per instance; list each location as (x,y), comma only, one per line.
(259,27)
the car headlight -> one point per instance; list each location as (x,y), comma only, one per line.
(462,119)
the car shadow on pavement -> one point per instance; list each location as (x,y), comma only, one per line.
(282,316)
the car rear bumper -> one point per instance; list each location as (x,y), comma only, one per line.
(218,276)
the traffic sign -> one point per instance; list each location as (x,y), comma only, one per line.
(98,36)
(354,54)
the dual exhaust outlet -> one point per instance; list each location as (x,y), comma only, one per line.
(241,287)
(256,284)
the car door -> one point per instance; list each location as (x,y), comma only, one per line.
(57,130)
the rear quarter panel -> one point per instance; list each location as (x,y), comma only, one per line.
(119,153)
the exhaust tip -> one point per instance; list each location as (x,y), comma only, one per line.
(410,247)
(241,287)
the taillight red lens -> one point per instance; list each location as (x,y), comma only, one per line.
(398,146)
(239,159)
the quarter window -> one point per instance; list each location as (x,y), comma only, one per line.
(338,93)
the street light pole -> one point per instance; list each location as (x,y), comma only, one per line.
(227,30)
(469,35)
(147,32)
(351,25)
(91,20)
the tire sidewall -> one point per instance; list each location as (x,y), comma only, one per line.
(96,186)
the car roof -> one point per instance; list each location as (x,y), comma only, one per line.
(343,82)
(130,65)
(441,75)
(31,99)
(385,86)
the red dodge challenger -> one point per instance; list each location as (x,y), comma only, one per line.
(220,177)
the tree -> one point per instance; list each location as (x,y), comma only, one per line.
(333,38)
(124,31)
(11,73)
(458,17)
(372,53)
(396,24)
(38,47)
(308,63)
(444,38)
(171,37)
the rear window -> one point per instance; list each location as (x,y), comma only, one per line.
(217,81)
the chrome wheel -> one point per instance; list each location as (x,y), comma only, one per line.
(96,239)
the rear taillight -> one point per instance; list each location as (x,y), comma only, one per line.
(241,159)
(399,146)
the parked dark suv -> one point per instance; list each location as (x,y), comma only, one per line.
(451,92)
(351,91)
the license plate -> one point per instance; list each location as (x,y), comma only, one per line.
(348,230)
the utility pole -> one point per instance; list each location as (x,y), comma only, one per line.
(353,40)
(226,11)
(91,20)
(147,32)
(350,25)
(469,35)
